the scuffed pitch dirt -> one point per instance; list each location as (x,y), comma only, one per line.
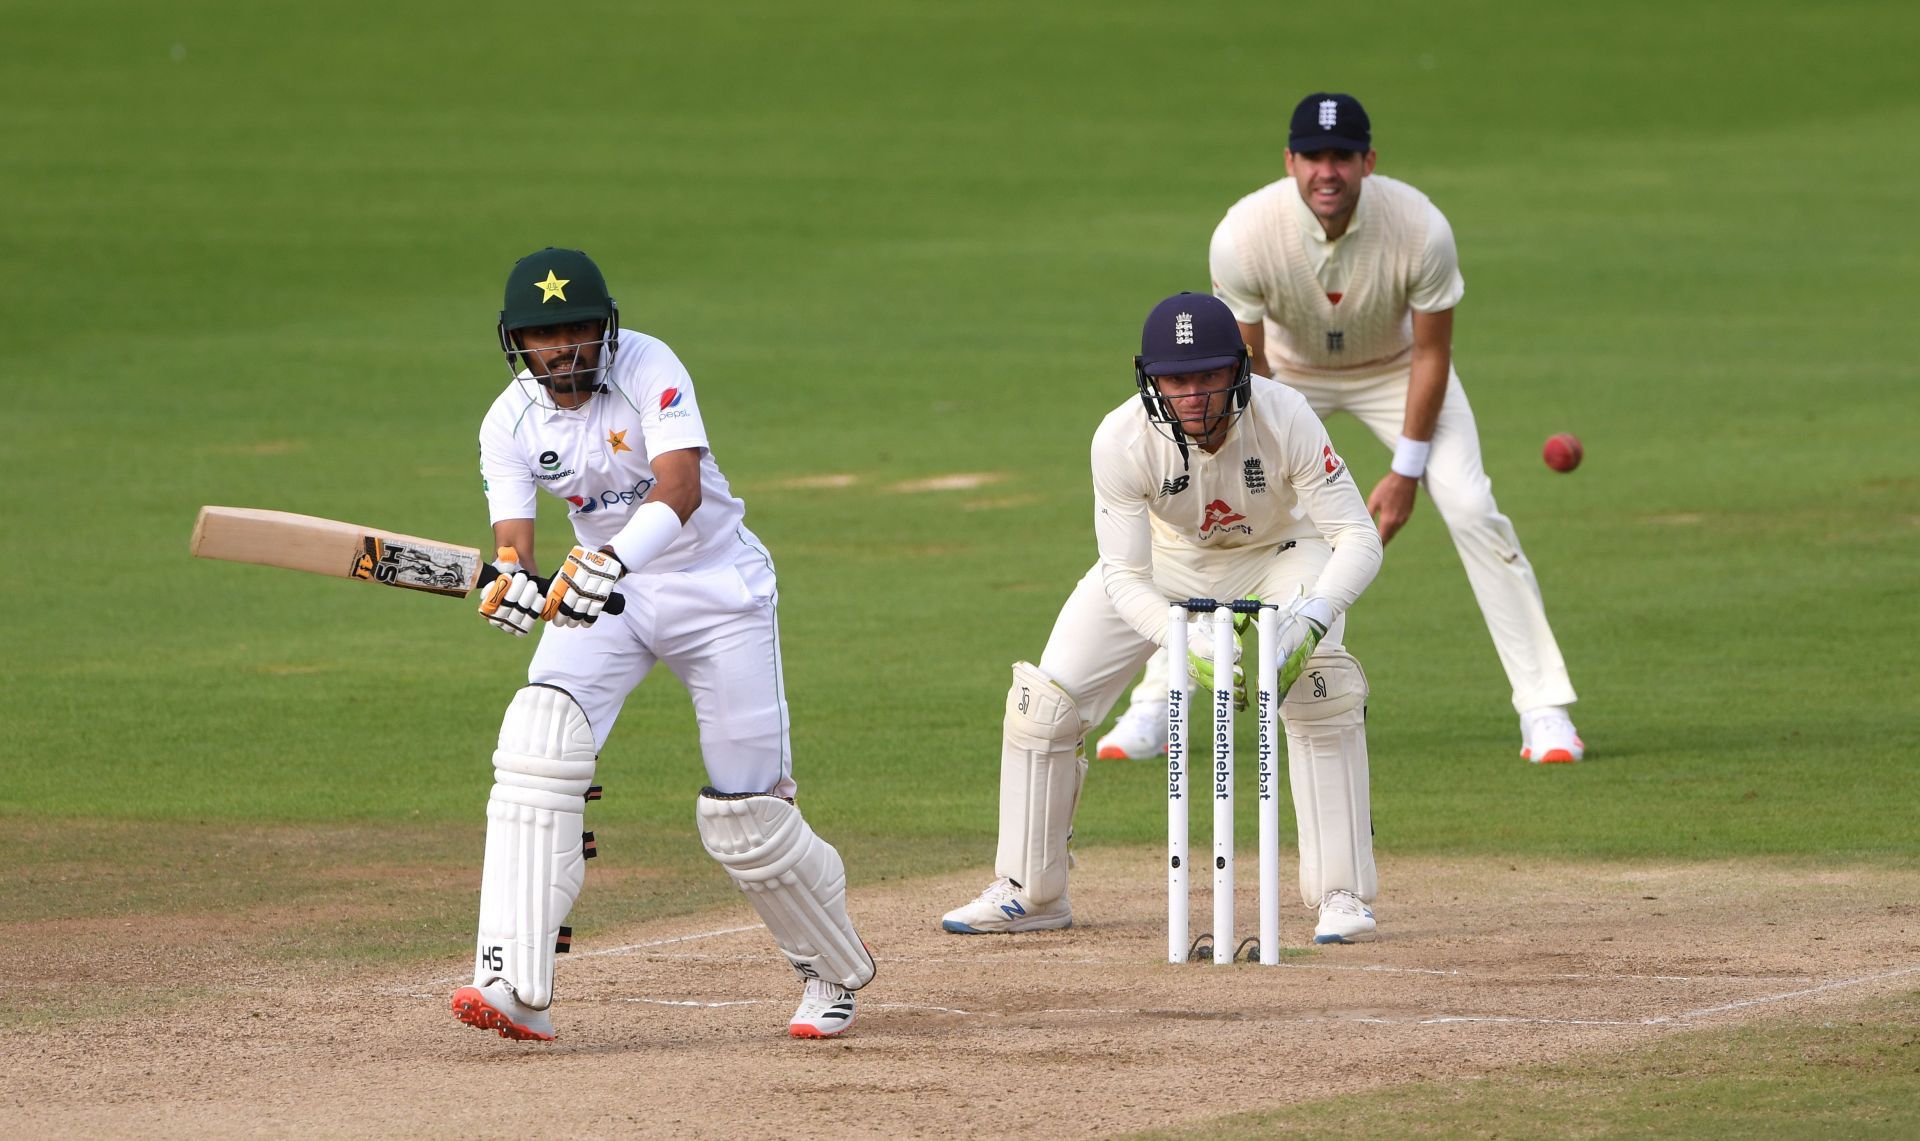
(677,1028)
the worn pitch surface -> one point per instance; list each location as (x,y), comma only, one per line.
(676,1027)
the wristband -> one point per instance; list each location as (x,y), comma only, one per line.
(1410,457)
(652,529)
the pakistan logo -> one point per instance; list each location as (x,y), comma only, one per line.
(1255,475)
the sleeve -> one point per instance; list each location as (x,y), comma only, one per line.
(505,475)
(1231,282)
(1333,503)
(1437,284)
(669,412)
(1125,536)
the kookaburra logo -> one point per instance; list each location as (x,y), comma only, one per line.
(1329,113)
(1183,329)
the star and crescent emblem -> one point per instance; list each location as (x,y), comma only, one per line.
(553,287)
(618,441)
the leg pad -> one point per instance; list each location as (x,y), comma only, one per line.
(1042,768)
(793,878)
(1326,716)
(535,862)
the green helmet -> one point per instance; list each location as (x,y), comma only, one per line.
(554,287)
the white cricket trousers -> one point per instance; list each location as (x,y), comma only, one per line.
(716,627)
(1093,652)
(1456,481)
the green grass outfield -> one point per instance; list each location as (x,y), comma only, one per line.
(253,255)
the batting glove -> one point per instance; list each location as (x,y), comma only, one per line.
(512,598)
(580,591)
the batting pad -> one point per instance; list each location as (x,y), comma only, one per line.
(1326,716)
(1042,767)
(535,862)
(793,878)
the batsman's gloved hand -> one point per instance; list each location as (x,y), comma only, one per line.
(511,598)
(1302,624)
(1200,656)
(581,588)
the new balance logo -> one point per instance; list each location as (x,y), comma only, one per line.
(1329,113)
(1012,909)
(1336,340)
(1183,329)
(1173,486)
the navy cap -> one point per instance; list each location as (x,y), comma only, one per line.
(1329,122)
(1190,332)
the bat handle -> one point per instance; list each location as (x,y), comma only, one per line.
(616,602)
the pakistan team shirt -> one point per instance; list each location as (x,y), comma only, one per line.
(597,457)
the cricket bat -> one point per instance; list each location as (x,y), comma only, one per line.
(343,550)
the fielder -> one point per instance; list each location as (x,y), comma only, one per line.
(1213,483)
(605,418)
(1344,283)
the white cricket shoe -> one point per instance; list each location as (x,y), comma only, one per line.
(1547,737)
(1140,734)
(1003,909)
(496,1007)
(826,1010)
(1344,919)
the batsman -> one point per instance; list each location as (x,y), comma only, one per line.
(1209,483)
(606,419)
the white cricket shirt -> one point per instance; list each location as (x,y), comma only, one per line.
(1340,304)
(596,457)
(1276,478)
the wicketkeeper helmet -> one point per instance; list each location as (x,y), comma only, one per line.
(1188,333)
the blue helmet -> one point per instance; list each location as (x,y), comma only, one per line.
(1188,333)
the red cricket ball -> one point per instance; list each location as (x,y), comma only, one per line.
(1562,452)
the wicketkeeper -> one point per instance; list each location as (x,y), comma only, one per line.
(605,419)
(1209,483)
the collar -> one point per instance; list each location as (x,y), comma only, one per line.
(1309,222)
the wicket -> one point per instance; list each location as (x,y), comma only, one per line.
(1179,779)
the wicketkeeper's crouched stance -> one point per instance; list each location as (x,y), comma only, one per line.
(1212,484)
(606,419)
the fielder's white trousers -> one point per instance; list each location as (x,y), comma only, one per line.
(716,627)
(1457,485)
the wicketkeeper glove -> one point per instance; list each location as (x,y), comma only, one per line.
(1200,656)
(1302,624)
(511,598)
(581,588)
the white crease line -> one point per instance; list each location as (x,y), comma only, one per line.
(625,950)
(1442,1019)
(935,1009)
(1382,968)
(632,947)
(1726,1006)
(695,1002)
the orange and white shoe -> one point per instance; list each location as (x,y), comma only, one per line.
(1139,734)
(1547,737)
(495,1007)
(826,1010)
